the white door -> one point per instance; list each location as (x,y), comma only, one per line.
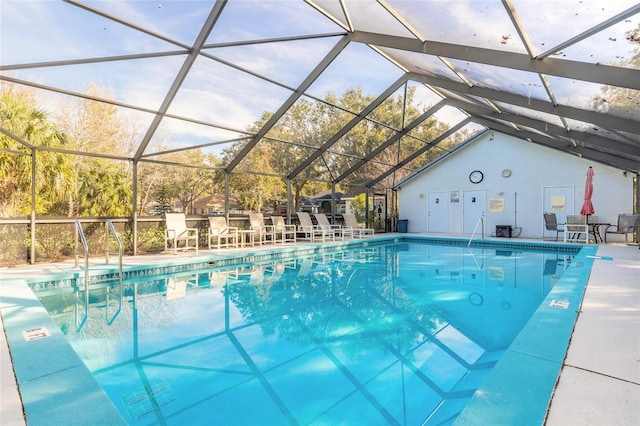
(558,200)
(437,220)
(473,206)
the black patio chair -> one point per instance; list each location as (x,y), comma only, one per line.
(627,224)
(551,224)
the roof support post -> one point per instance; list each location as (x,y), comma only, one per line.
(289,200)
(638,199)
(227,178)
(366,208)
(134,214)
(32,260)
(333,202)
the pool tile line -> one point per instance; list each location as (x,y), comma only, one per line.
(108,272)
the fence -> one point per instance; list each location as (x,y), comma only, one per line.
(54,236)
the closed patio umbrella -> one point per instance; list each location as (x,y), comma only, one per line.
(587,206)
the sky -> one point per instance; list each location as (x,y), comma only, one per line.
(39,31)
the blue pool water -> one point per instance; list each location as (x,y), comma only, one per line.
(397,333)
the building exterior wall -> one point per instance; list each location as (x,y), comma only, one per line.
(533,168)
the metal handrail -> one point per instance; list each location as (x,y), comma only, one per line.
(480,221)
(80,233)
(108,226)
(109,229)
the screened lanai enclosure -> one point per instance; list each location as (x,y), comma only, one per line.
(129,109)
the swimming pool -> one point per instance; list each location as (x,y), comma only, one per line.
(397,332)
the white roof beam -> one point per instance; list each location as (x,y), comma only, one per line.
(595,73)
(326,61)
(182,74)
(350,125)
(392,140)
(600,119)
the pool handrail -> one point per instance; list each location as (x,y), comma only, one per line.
(110,228)
(480,220)
(80,233)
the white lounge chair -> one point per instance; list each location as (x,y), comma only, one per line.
(264,233)
(225,236)
(358,231)
(286,233)
(312,232)
(338,231)
(176,230)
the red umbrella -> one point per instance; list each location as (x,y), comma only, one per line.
(587,206)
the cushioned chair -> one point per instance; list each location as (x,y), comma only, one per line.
(176,230)
(627,224)
(551,224)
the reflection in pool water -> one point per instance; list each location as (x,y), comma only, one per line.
(388,334)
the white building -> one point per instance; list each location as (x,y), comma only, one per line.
(509,181)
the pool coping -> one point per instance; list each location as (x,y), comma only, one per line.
(543,352)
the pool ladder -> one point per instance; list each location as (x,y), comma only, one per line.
(481,223)
(80,236)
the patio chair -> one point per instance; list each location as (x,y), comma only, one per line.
(358,231)
(310,231)
(176,230)
(338,230)
(576,226)
(287,233)
(264,233)
(627,224)
(225,236)
(551,224)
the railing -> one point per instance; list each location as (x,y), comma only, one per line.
(479,222)
(80,234)
(110,230)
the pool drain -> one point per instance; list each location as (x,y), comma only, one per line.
(147,399)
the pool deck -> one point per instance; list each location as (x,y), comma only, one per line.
(600,378)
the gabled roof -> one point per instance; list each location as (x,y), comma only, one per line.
(439,159)
(566,75)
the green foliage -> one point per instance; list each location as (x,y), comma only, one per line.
(20,115)
(54,242)
(358,206)
(162,202)
(13,244)
(104,191)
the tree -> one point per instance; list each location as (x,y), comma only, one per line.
(105,190)
(20,115)
(162,202)
(98,127)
